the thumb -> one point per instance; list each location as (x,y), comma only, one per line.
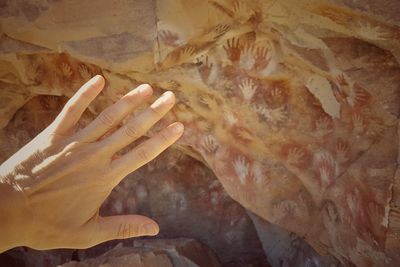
(103,229)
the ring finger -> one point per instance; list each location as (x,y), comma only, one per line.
(113,115)
(139,125)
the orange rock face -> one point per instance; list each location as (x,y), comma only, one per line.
(293,105)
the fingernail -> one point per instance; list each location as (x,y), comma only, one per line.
(144,89)
(178,127)
(167,97)
(150,229)
(96,79)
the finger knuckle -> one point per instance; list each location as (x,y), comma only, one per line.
(126,230)
(73,146)
(156,112)
(72,149)
(131,131)
(71,109)
(143,154)
(107,119)
(164,136)
(121,230)
(130,99)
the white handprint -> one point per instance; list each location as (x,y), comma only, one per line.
(248,88)
(241,167)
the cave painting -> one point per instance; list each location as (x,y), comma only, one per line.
(292,104)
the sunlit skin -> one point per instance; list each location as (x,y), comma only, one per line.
(51,189)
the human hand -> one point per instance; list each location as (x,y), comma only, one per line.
(51,190)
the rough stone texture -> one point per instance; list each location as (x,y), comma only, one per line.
(187,200)
(292,104)
(154,253)
(287,249)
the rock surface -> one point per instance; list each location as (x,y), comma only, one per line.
(187,200)
(154,253)
(293,105)
(287,249)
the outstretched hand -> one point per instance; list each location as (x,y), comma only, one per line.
(51,190)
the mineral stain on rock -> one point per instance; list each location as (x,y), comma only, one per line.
(292,105)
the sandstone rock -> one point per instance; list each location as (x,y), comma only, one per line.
(287,249)
(187,200)
(292,104)
(154,253)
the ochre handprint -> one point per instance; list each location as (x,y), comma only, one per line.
(232,49)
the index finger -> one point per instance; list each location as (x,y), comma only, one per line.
(74,108)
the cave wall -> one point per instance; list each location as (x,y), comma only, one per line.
(293,105)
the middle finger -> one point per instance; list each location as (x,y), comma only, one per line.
(139,125)
(113,115)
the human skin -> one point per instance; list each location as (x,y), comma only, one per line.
(51,189)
